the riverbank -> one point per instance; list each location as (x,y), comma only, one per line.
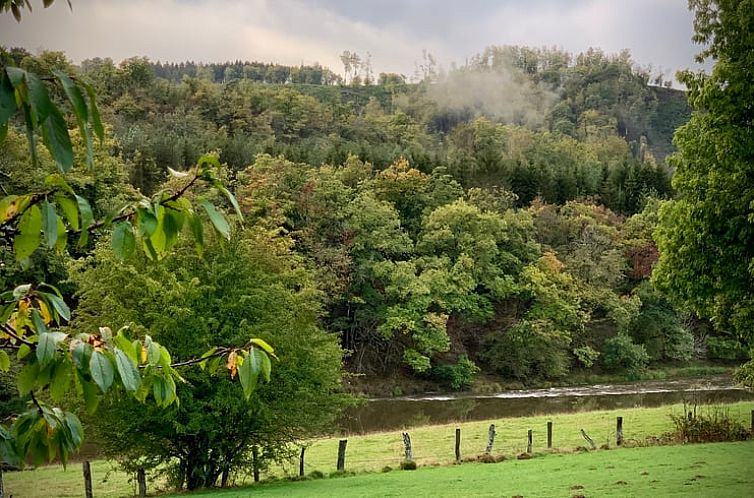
(373,386)
(433,446)
(717,469)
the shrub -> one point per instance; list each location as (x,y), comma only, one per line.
(458,376)
(621,354)
(723,348)
(408,465)
(586,356)
(714,426)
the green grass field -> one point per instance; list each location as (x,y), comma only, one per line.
(433,445)
(708,470)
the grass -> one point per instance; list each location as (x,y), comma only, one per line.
(719,469)
(433,445)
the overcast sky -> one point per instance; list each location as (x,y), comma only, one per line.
(658,32)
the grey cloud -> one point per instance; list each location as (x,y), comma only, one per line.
(657,32)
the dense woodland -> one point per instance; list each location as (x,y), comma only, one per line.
(499,218)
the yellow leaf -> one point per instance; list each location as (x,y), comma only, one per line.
(143,355)
(45,312)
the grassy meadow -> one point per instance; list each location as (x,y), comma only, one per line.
(433,446)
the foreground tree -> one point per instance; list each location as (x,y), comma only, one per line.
(251,285)
(706,236)
(55,363)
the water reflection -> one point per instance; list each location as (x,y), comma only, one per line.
(397,413)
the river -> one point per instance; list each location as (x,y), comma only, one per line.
(383,414)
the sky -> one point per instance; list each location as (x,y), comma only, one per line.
(394,32)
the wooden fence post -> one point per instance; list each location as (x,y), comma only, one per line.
(342,455)
(87,480)
(752,421)
(301,462)
(458,443)
(529,441)
(588,439)
(407,449)
(255,462)
(2,483)
(619,431)
(490,439)
(549,435)
(141,478)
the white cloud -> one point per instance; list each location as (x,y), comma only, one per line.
(658,32)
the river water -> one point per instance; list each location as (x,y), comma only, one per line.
(395,413)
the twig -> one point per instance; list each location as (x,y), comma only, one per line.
(12,332)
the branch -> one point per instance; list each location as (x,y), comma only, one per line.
(12,332)
(124,216)
(36,403)
(194,361)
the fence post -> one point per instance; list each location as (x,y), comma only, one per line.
(619,431)
(141,478)
(752,421)
(490,439)
(87,480)
(408,450)
(549,435)
(588,439)
(342,455)
(301,462)
(255,462)
(458,443)
(529,441)
(2,483)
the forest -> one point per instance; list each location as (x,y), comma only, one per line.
(503,219)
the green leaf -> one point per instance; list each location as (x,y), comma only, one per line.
(126,346)
(264,345)
(146,221)
(197,230)
(207,354)
(172,223)
(49,223)
(99,130)
(266,366)
(78,104)
(123,240)
(163,390)
(153,354)
(7,99)
(129,373)
(39,324)
(89,392)
(46,348)
(26,380)
(85,210)
(4,361)
(23,351)
(59,305)
(217,218)
(61,381)
(101,370)
(62,236)
(232,199)
(54,129)
(248,374)
(69,208)
(28,238)
(74,427)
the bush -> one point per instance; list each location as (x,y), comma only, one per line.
(586,356)
(621,354)
(723,348)
(408,465)
(458,376)
(714,426)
